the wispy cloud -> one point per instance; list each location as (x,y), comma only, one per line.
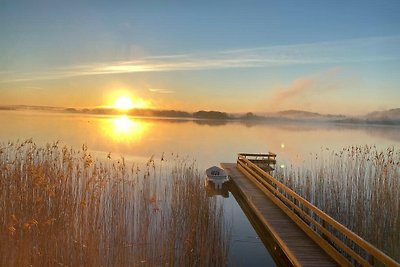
(357,50)
(318,85)
(320,82)
(161,91)
(294,90)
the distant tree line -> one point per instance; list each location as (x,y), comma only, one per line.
(202,114)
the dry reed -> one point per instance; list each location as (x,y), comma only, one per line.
(63,207)
(358,186)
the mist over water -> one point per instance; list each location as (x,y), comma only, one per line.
(208,142)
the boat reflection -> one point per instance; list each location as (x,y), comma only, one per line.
(124,129)
(213,190)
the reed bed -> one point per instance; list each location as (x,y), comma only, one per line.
(63,207)
(359,186)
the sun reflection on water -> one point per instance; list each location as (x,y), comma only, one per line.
(124,129)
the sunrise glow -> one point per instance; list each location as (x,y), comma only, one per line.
(126,102)
(125,125)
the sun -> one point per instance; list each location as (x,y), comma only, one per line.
(124,103)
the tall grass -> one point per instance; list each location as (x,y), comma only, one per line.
(358,186)
(62,207)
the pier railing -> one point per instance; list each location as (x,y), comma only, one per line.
(343,245)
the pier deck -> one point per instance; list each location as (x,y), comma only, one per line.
(294,242)
(306,235)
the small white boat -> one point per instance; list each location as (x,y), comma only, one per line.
(217,176)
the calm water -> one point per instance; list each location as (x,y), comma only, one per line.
(209,143)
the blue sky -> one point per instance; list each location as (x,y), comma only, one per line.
(231,55)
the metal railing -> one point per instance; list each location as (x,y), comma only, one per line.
(343,245)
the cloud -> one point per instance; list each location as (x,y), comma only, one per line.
(294,90)
(356,50)
(161,91)
(300,88)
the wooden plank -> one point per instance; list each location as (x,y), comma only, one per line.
(270,154)
(263,233)
(296,245)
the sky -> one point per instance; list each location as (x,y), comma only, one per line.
(338,57)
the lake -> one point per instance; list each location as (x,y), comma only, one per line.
(207,142)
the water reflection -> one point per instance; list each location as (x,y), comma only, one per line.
(213,190)
(124,129)
(206,142)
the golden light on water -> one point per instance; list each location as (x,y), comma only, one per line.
(124,129)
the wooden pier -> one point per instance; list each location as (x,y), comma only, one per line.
(306,235)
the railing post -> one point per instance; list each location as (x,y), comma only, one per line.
(324,225)
(371,259)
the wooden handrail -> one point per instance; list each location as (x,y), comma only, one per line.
(273,185)
(281,199)
(269,154)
